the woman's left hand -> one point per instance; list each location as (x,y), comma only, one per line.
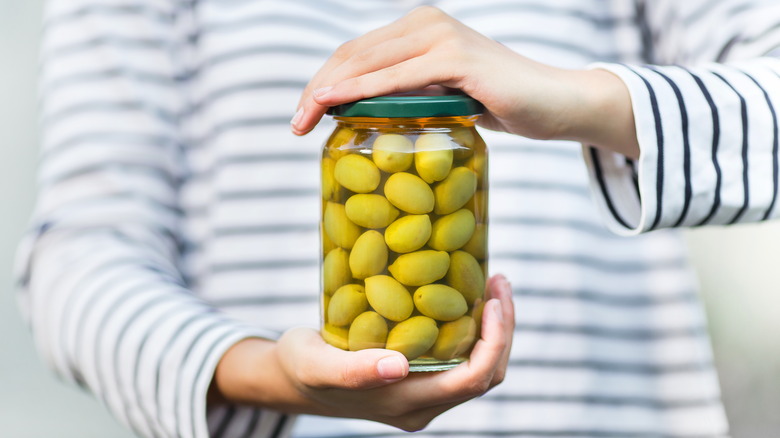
(521,96)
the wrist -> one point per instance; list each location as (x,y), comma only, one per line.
(236,376)
(603,116)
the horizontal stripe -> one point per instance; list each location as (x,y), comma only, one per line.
(591,262)
(563,433)
(607,299)
(91,77)
(104,11)
(263,265)
(596,229)
(649,369)
(616,401)
(109,107)
(259,22)
(544,10)
(627,334)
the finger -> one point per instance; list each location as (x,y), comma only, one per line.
(470,379)
(318,365)
(399,27)
(500,289)
(385,55)
(410,75)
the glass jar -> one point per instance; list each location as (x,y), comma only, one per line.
(404,228)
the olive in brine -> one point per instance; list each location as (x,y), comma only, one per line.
(393,153)
(455,338)
(409,193)
(341,231)
(433,157)
(463,137)
(370,211)
(454,191)
(369,255)
(477,245)
(466,276)
(453,231)
(413,337)
(409,233)
(420,267)
(335,270)
(440,302)
(357,173)
(346,304)
(368,330)
(335,336)
(330,187)
(389,298)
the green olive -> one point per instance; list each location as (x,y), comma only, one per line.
(454,191)
(330,187)
(335,336)
(370,211)
(347,303)
(409,233)
(477,245)
(478,205)
(466,276)
(339,142)
(451,232)
(335,270)
(369,255)
(357,173)
(478,163)
(341,231)
(433,157)
(388,297)
(413,337)
(327,244)
(368,330)
(455,338)
(420,267)
(393,153)
(409,193)
(440,302)
(463,137)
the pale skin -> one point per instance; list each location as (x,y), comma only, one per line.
(300,373)
(521,96)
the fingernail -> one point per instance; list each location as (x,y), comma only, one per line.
(297,118)
(498,311)
(319,92)
(391,367)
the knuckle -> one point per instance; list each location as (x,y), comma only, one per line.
(428,12)
(499,377)
(344,50)
(350,376)
(414,424)
(478,386)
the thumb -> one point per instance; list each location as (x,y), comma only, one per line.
(319,365)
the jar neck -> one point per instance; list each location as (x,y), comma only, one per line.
(404,122)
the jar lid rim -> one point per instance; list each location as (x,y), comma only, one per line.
(410,105)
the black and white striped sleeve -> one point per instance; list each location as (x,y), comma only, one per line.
(99,279)
(707,125)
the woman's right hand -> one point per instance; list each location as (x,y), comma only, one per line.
(300,373)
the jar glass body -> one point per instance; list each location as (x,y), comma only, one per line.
(404,237)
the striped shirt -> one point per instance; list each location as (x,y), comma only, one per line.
(177,214)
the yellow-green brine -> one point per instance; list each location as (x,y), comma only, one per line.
(404,228)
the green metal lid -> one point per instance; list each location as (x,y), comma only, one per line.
(410,105)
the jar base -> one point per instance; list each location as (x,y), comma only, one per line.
(428,365)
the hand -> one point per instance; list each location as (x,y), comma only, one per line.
(521,96)
(302,374)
